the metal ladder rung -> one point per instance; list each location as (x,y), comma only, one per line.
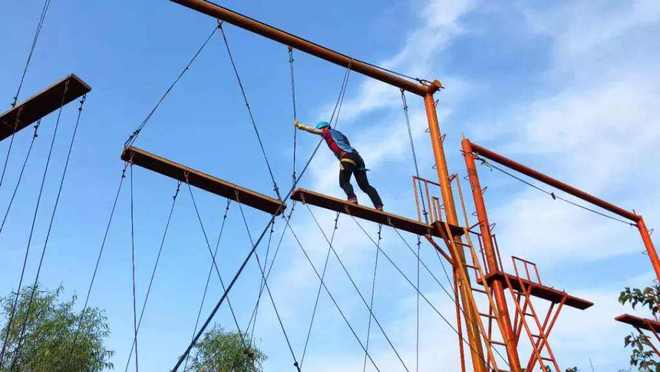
(479,290)
(547,359)
(487,315)
(497,342)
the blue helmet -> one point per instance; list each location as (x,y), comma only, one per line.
(322,124)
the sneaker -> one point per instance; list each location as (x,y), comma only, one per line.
(380,208)
(353,200)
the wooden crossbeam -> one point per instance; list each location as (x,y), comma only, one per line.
(202,180)
(643,323)
(538,290)
(42,104)
(371,214)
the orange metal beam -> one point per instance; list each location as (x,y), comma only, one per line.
(637,219)
(470,312)
(497,285)
(276,34)
(486,153)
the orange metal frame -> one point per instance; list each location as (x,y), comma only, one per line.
(470,151)
(638,220)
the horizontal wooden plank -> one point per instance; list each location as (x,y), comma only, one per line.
(538,290)
(202,180)
(371,214)
(643,323)
(42,104)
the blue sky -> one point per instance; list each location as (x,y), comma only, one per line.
(570,88)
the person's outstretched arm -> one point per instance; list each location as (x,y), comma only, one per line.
(307,128)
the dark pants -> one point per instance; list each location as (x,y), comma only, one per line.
(352,163)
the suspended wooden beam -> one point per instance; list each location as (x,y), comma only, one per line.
(371,214)
(638,322)
(538,290)
(42,104)
(221,13)
(202,180)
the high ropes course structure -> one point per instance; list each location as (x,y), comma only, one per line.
(503,319)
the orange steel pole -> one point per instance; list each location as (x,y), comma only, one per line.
(270,32)
(491,259)
(470,313)
(635,218)
(459,327)
(648,243)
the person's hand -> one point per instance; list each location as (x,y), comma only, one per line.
(297,123)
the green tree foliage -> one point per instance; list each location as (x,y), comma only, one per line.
(220,351)
(55,338)
(642,355)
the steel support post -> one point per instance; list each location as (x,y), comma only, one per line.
(470,313)
(503,318)
(648,244)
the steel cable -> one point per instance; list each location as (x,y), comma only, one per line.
(20,176)
(208,277)
(270,294)
(214,263)
(330,295)
(133,137)
(132,214)
(373,291)
(50,225)
(153,271)
(364,301)
(32,227)
(318,291)
(249,109)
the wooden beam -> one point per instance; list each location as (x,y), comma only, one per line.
(202,180)
(371,214)
(537,290)
(643,323)
(42,104)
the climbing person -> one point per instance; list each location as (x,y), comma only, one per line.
(350,161)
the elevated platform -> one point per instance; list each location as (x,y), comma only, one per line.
(541,291)
(642,323)
(202,180)
(371,214)
(42,104)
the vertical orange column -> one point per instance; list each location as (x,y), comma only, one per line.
(470,313)
(491,258)
(650,248)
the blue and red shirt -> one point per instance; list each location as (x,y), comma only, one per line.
(337,142)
